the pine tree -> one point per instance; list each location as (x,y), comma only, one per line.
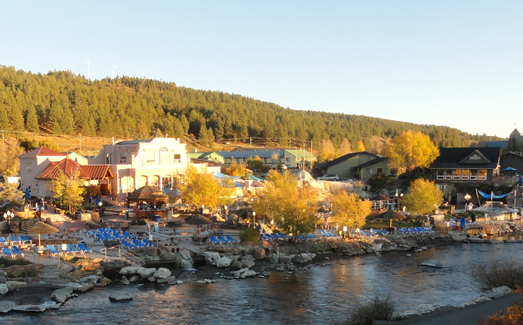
(31,121)
(202,136)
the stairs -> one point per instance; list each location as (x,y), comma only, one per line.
(71,225)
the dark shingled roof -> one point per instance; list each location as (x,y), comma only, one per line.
(452,158)
(342,159)
(370,163)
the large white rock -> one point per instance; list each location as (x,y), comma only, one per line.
(499,292)
(6,306)
(61,295)
(146,272)
(3,289)
(211,257)
(162,273)
(223,261)
(11,285)
(169,279)
(31,308)
(83,287)
(248,274)
(129,270)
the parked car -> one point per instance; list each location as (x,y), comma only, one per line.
(329,177)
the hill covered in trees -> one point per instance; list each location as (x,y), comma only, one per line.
(61,102)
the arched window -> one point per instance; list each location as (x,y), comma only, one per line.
(164,156)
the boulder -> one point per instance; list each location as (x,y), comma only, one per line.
(125,280)
(134,278)
(103,282)
(498,292)
(129,270)
(52,305)
(3,279)
(146,272)
(11,285)
(3,289)
(118,296)
(162,273)
(273,258)
(249,273)
(247,264)
(151,279)
(223,261)
(286,258)
(165,255)
(247,258)
(6,306)
(82,287)
(167,279)
(236,265)
(211,257)
(61,295)
(249,251)
(31,308)
(234,251)
(259,253)
(179,282)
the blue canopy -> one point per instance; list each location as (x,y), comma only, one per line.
(509,169)
(491,196)
(27,194)
(254,178)
(222,176)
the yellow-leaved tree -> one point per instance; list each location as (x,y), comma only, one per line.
(327,151)
(292,207)
(11,195)
(69,191)
(236,170)
(204,189)
(349,209)
(410,150)
(360,146)
(423,196)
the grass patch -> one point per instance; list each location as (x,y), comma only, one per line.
(366,313)
(497,273)
(249,234)
(6,262)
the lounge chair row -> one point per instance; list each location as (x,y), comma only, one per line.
(327,234)
(379,232)
(20,240)
(68,249)
(274,236)
(12,251)
(102,235)
(135,243)
(222,240)
(414,230)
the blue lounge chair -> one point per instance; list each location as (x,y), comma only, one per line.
(128,245)
(14,240)
(109,230)
(117,236)
(148,243)
(223,240)
(232,240)
(125,234)
(83,249)
(100,237)
(74,249)
(67,249)
(53,250)
(138,243)
(25,239)
(16,251)
(214,240)
(3,241)
(6,251)
(100,230)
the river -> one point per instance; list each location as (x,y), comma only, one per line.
(318,295)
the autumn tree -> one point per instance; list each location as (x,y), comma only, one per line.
(202,188)
(255,163)
(10,194)
(410,150)
(345,147)
(423,196)
(9,163)
(236,170)
(327,151)
(350,210)
(69,191)
(290,206)
(360,147)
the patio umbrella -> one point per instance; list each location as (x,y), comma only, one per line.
(27,194)
(41,228)
(509,169)
(98,200)
(380,197)
(198,220)
(391,214)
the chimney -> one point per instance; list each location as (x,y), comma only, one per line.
(195,150)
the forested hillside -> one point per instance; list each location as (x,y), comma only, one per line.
(61,102)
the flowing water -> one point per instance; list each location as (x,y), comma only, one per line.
(318,295)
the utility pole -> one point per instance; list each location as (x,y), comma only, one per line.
(250,142)
(310,165)
(80,143)
(3,140)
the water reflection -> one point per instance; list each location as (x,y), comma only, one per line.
(314,296)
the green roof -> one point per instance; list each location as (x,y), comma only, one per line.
(298,153)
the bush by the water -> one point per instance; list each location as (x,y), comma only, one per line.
(249,234)
(6,262)
(375,309)
(497,273)
(513,315)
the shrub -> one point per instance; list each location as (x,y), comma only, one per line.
(6,262)
(375,309)
(513,315)
(249,234)
(497,273)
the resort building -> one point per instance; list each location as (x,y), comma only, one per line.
(357,165)
(273,157)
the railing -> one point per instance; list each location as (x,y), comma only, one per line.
(134,259)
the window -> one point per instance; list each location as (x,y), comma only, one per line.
(150,157)
(465,174)
(369,170)
(177,158)
(164,155)
(379,171)
(473,175)
(288,159)
(482,174)
(123,158)
(457,174)
(27,167)
(441,174)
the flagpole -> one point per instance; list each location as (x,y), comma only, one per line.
(479,203)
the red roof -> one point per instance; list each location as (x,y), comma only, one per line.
(41,152)
(69,167)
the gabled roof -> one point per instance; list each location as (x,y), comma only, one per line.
(370,163)
(69,167)
(343,158)
(41,152)
(457,158)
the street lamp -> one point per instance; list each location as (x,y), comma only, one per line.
(253,218)
(398,196)
(8,216)
(467,197)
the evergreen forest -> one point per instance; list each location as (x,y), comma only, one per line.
(61,102)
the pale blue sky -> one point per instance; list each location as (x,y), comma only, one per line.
(455,63)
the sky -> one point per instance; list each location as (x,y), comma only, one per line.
(453,63)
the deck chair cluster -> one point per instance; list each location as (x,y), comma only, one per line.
(414,230)
(220,240)
(22,239)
